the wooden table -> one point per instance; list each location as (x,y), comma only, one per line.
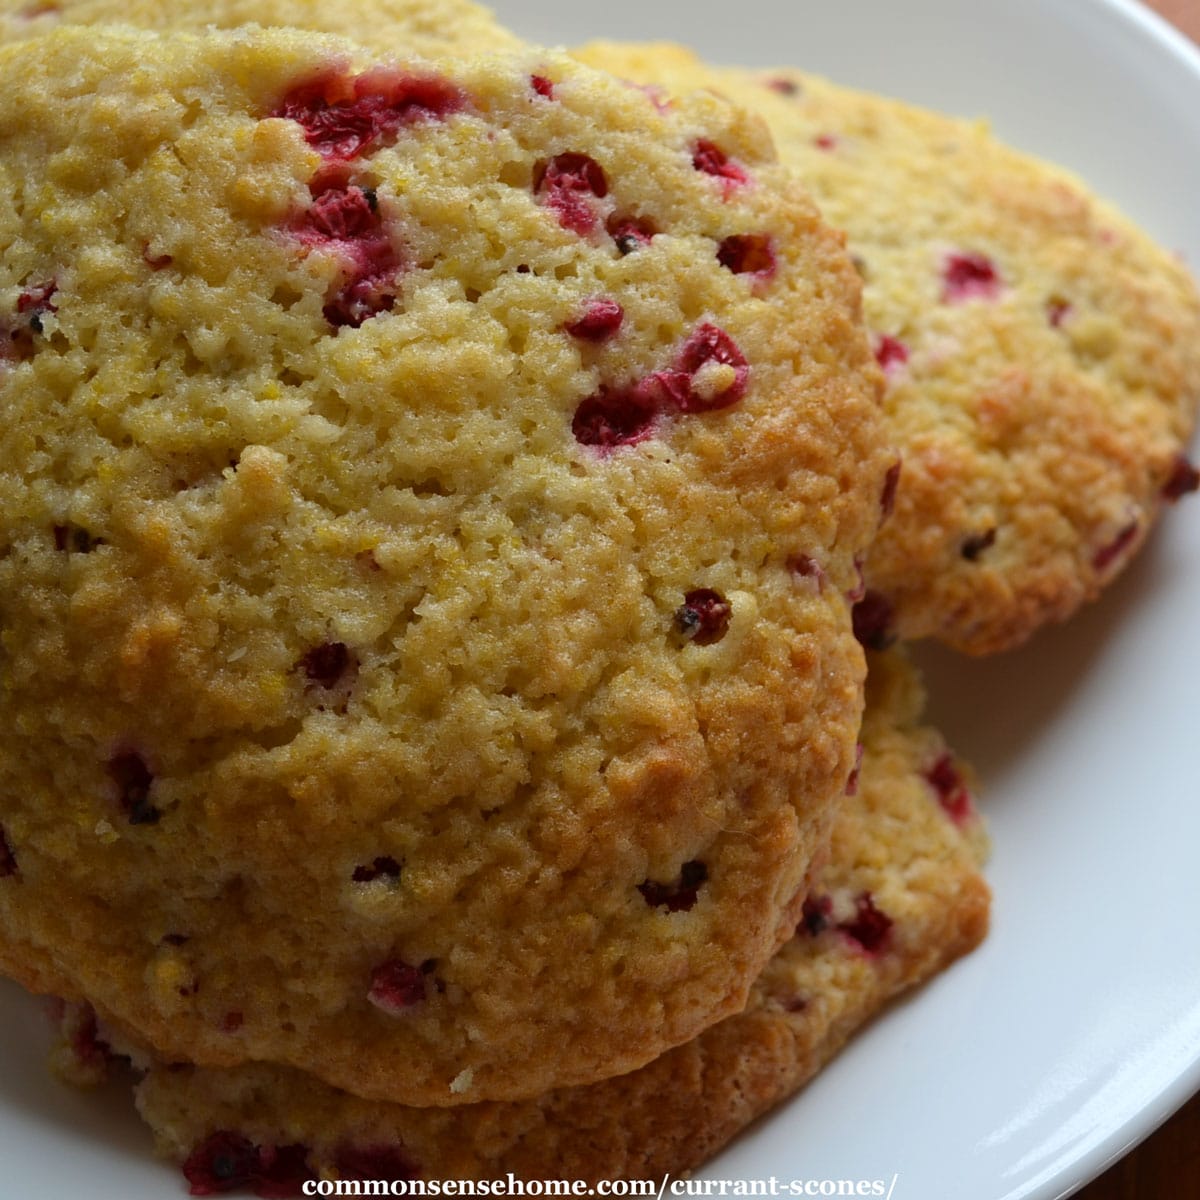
(1164,1167)
(1184,13)
(1167,1165)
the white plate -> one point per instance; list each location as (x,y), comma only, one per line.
(1076,1028)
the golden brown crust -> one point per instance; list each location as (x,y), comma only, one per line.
(896,842)
(1043,356)
(348,684)
(406,27)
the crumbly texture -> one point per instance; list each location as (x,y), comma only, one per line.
(901,898)
(426,27)
(1042,355)
(425,652)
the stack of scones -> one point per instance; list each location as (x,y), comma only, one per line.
(463,505)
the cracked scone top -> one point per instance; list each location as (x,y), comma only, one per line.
(1042,354)
(900,898)
(425,651)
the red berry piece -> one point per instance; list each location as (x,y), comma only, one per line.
(226,1161)
(133,780)
(1184,478)
(630,233)
(856,772)
(891,481)
(17,332)
(74,539)
(825,141)
(656,95)
(977,543)
(785,87)
(616,417)
(8,861)
(600,319)
(890,353)
(621,416)
(567,185)
(542,85)
(869,927)
(872,619)
(389,1163)
(676,897)
(969,277)
(359,300)
(1108,554)
(1057,311)
(222,1162)
(703,617)
(385,866)
(340,213)
(712,160)
(343,117)
(344,219)
(156,262)
(396,987)
(707,344)
(816,916)
(947,781)
(327,664)
(805,566)
(282,1172)
(748,254)
(33,302)
(88,1048)
(859,591)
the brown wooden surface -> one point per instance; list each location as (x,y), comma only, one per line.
(1167,1165)
(1164,1167)
(1184,13)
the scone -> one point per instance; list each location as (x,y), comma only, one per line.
(901,898)
(426,654)
(1042,355)
(404,27)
